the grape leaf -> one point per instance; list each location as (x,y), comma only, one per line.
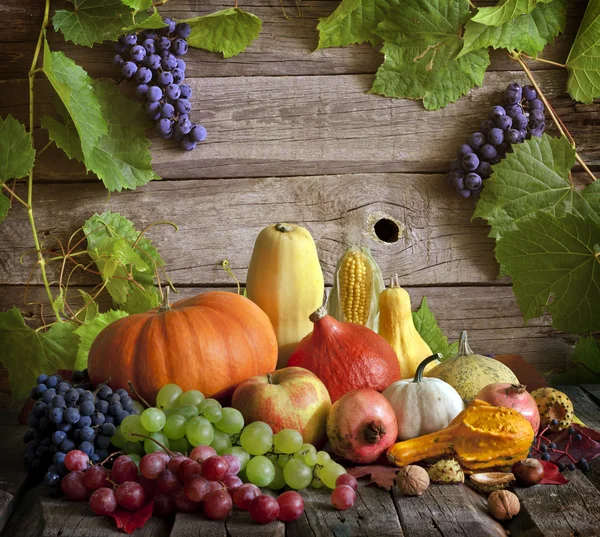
(431,333)
(228,31)
(583,64)
(27,353)
(551,474)
(381,475)
(554,269)
(120,158)
(88,331)
(74,87)
(353,22)
(110,244)
(529,33)
(4,207)
(91,308)
(138,5)
(146,21)
(93,21)
(534,177)
(586,448)
(584,364)
(505,10)
(422,41)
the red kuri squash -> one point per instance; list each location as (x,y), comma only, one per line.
(210,342)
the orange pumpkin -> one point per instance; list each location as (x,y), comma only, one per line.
(210,342)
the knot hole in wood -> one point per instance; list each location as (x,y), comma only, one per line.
(386,230)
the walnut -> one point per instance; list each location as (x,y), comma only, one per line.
(503,505)
(412,480)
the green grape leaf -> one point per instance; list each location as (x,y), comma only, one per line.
(4,207)
(118,250)
(93,21)
(534,177)
(584,364)
(74,87)
(228,31)
(27,353)
(431,333)
(422,42)
(583,62)
(528,33)
(554,269)
(16,150)
(138,5)
(120,158)
(88,331)
(353,22)
(91,307)
(505,11)
(146,21)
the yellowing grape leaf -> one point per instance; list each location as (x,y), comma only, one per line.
(554,263)
(528,33)
(353,22)
(431,333)
(88,331)
(93,21)
(27,353)
(583,62)
(228,31)
(381,475)
(146,21)
(534,177)
(505,10)
(422,43)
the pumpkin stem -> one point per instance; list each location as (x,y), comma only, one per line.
(423,365)
(167,450)
(165,303)
(318,315)
(374,431)
(284,228)
(463,346)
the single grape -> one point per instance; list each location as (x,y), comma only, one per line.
(243,496)
(214,468)
(329,473)
(169,394)
(165,78)
(196,488)
(143,75)
(536,104)
(187,469)
(323,458)
(176,425)
(163,44)
(168,62)
(168,482)
(495,137)
(297,474)
(76,460)
(183,504)
(191,397)
(217,505)
(56,415)
(536,117)
(486,125)
(504,122)
(232,482)
(512,136)
(488,152)
(473,181)
(176,461)
(178,75)
(291,506)
(183,30)
(71,415)
(86,408)
(187,143)
(137,53)
(87,448)
(512,96)
(199,431)
(153,419)
(457,180)
(476,140)
(152,465)
(188,411)
(278,481)
(101,406)
(172,91)
(124,469)
(130,495)
(103,501)
(496,112)
(129,39)
(212,414)
(52,479)
(179,47)
(183,106)
(287,441)
(128,69)
(152,62)
(256,440)
(155,94)
(343,497)
(181,64)
(240,453)
(463,150)
(231,421)
(202,452)
(151,447)
(514,110)
(96,477)
(118,61)
(260,471)
(537,133)
(221,442)
(529,93)
(233,462)
(186,91)
(264,509)
(149,45)
(73,487)
(133,424)
(347,479)
(471,161)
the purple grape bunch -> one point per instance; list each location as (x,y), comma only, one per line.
(153,59)
(521,118)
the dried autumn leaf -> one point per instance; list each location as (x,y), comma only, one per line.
(129,521)
(551,475)
(379,474)
(525,372)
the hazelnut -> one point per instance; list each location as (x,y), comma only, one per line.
(503,505)
(412,480)
(528,472)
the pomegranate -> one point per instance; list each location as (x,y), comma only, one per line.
(346,356)
(361,426)
(512,396)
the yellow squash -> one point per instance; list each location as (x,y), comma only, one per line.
(396,326)
(285,280)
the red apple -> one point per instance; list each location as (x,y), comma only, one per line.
(289,398)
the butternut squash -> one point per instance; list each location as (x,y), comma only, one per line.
(396,326)
(285,280)
(481,436)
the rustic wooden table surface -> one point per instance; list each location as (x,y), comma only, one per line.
(293,136)
(571,510)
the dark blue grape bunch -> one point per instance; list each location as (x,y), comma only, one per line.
(68,416)
(521,117)
(153,59)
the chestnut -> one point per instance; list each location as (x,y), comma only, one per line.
(528,472)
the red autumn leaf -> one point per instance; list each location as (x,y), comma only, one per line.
(383,476)
(524,371)
(129,521)
(587,448)
(551,475)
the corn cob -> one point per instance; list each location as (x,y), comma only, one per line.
(356,289)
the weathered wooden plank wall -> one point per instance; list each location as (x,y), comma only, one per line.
(293,136)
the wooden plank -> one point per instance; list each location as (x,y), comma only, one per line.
(446,511)
(373,514)
(558,511)
(312,125)
(593,390)
(283,47)
(238,524)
